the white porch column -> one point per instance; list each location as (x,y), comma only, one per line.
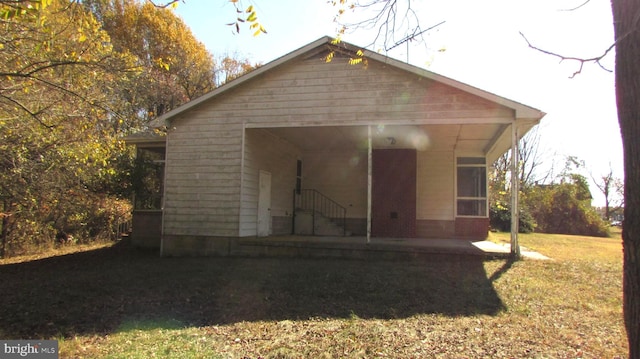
(369,181)
(515,189)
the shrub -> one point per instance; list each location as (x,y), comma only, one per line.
(500,219)
(565,208)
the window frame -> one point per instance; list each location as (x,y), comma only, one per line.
(472,162)
(160,172)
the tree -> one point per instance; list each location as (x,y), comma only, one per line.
(610,188)
(229,67)
(627,44)
(531,159)
(76,77)
(174,66)
(564,207)
(56,142)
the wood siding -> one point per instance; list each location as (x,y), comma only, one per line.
(313,92)
(435,186)
(202,183)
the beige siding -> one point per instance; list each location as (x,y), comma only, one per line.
(341,176)
(435,186)
(202,178)
(314,92)
(266,152)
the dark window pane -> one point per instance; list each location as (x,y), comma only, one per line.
(148,178)
(472,207)
(472,182)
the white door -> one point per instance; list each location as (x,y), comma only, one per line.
(264,204)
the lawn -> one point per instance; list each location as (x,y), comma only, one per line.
(117,302)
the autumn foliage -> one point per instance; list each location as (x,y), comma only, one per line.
(75,78)
(560,206)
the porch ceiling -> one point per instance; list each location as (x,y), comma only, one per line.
(474,138)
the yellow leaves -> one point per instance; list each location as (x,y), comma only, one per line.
(164,64)
(258,29)
(14,9)
(251,18)
(329,57)
(360,59)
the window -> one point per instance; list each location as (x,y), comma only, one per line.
(298,177)
(148,178)
(471,194)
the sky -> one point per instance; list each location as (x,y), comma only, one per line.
(479,44)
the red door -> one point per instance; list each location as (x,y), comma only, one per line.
(393,193)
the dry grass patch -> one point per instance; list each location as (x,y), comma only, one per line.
(55,250)
(120,303)
(569,247)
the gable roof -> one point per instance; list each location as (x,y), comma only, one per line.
(521,111)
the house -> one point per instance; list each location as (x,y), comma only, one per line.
(304,145)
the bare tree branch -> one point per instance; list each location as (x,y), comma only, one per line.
(395,22)
(577,7)
(581,61)
(34,115)
(596,59)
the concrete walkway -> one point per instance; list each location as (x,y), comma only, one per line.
(357,247)
(526,253)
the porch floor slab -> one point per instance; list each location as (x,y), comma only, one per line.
(357,247)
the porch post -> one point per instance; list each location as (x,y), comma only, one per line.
(515,188)
(369,182)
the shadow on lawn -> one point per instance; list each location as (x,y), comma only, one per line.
(106,290)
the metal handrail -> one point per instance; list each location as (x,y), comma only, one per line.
(316,202)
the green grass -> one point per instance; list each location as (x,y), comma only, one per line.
(116,302)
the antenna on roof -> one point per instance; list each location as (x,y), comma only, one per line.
(411,37)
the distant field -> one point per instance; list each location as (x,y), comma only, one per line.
(116,302)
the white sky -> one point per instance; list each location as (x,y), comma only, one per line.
(483,48)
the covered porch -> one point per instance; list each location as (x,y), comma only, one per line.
(425,179)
